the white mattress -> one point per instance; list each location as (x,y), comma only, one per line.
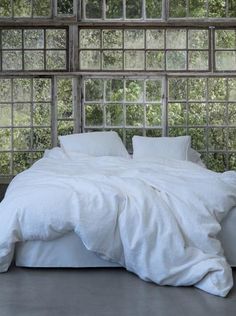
(69,251)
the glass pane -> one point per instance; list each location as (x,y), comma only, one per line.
(232,113)
(153,9)
(56,59)
(42,8)
(154,132)
(232,139)
(112,60)
(153,115)
(153,90)
(36,156)
(42,89)
(225,39)
(155,60)
(155,39)
(177,9)
(217,88)
(217,138)
(22,114)
(94,90)
(197,114)
(22,90)
(217,162)
(197,89)
(94,115)
(5,114)
(176,39)
(21,162)
(176,60)
(5,8)
(5,139)
(93,9)
(198,39)
(198,136)
(133,9)
(42,114)
(114,9)
(65,127)
(114,90)
(177,89)
(90,59)
(176,131)
(197,8)
(134,115)
(134,39)
(41,138)
(65,98)
(114,115)
(134,90)
(232,161)
(5,164)
(112,39)
(217,8)
(64,7)
(129,135)
(177,114)
(34,60)
(56,38)
(12,39)
(21,138)
(134,60)
(226,61)
(232,89)
(232,9)
(217,114)
(33,39)
(5,90)
(198,60)
(22,8)
(90,38)
(12,60)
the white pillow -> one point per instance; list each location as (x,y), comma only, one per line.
(161,147)
(94,144)
(193,155)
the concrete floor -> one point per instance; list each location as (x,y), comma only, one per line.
(101,292)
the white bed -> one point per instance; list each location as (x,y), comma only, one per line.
(69,251)
(157,218)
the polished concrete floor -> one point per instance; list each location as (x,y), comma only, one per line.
(101,292)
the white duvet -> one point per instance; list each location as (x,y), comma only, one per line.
(158,219)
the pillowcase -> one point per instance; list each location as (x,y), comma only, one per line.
(94,144)
(161,147)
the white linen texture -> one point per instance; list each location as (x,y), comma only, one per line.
(158,219)
(94,144)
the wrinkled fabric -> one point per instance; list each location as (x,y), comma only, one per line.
(158,219)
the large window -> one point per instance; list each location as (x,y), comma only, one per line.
(145,67)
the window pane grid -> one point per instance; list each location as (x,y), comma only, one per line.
(207,120)
(128,105)
(34,49)
(141,49)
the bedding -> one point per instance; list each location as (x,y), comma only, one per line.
(94,144)
(162,147)
(158,219)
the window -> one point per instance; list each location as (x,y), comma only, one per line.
(144,49)
(128,105)
(145,67)
(33,49)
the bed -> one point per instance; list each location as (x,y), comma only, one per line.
(158,217)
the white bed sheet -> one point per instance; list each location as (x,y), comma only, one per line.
(69,251)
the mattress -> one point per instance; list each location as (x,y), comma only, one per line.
(69,251)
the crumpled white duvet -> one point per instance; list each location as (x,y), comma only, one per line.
(159,219)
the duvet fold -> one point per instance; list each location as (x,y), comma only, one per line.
(158,219)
